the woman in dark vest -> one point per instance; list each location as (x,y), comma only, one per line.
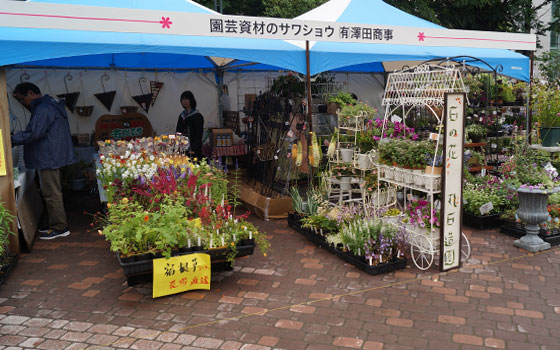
(191,124)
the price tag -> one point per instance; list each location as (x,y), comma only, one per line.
(495,112)
(433,136)
(396,118)
(171,137)
(290,134)
(504,149)
(494,145)
(275,157)
(483,172)
(480,119)
(287,123)
(486,208)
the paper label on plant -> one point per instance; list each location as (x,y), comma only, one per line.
(433,136)
(494,145)
(483,172)
(396,119)
(486,208)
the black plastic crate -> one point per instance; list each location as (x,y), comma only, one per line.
(481,222)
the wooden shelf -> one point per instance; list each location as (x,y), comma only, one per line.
(475,169)
(472,145)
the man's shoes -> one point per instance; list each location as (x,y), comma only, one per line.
(52,234)
(43,229)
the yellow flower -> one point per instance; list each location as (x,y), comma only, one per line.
(124,200)
(109,205)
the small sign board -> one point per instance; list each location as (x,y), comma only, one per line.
(486,208)
(452,177)
(181,273)
(122,127)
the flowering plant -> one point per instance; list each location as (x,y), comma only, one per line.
(342,170)
(420,215)
(546,105)
(529,169)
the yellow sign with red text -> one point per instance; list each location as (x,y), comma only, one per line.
(181,273)
(2,156)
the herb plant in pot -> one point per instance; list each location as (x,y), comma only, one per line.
(534,179)
(476,132)
(546,108)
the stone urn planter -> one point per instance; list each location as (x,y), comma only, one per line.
(533,211)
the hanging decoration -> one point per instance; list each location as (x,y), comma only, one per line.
(106,97)
(70,98)
(155,87)
(84,111)
(22,78)
(143,100)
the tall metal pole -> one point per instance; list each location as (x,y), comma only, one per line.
(309,114)
(530,100)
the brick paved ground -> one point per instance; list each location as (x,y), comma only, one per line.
(70,293)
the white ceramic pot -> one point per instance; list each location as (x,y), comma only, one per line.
(345,183)
(346,154)
(418,177)
(364,161)
(399,175)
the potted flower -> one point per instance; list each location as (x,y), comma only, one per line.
(476,132)
(337,101)
(353,116)
(420,215)
(531,175)
(433,162)
(546,108)
(6,260)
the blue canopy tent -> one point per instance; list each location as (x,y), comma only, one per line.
(73,48)
(337,56)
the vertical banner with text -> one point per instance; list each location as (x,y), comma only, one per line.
(452,192)
(181,273)
(2,156)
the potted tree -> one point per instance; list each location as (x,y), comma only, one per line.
(546,107)
(531,175)
(336,102)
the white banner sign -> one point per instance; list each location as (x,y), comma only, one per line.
(94,18)
(452,194)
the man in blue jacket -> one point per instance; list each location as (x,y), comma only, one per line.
(47,146)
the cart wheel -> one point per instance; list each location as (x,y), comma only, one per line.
(465,248)
(422,252)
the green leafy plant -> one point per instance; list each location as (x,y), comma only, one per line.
(360,109)
(297,200)
(476,130)
(6,219)
(526,169)
(342,99)
(546,105)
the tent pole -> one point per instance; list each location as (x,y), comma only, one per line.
(309,114)
(529,112)
(7,194)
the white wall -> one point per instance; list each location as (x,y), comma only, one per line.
(163,114)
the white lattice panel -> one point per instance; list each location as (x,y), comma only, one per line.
(426,85)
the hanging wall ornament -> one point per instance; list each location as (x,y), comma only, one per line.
(70,98)
(24,77)
(155,87)
(143,100)
(84,111)
(106,97)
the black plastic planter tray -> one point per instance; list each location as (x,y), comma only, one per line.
(6,268)
(137,272)
(482,222)
(360,263)
(518,231)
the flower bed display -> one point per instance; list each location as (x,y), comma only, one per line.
(161,203)
(367,243)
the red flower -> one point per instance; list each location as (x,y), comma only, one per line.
(146,218)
